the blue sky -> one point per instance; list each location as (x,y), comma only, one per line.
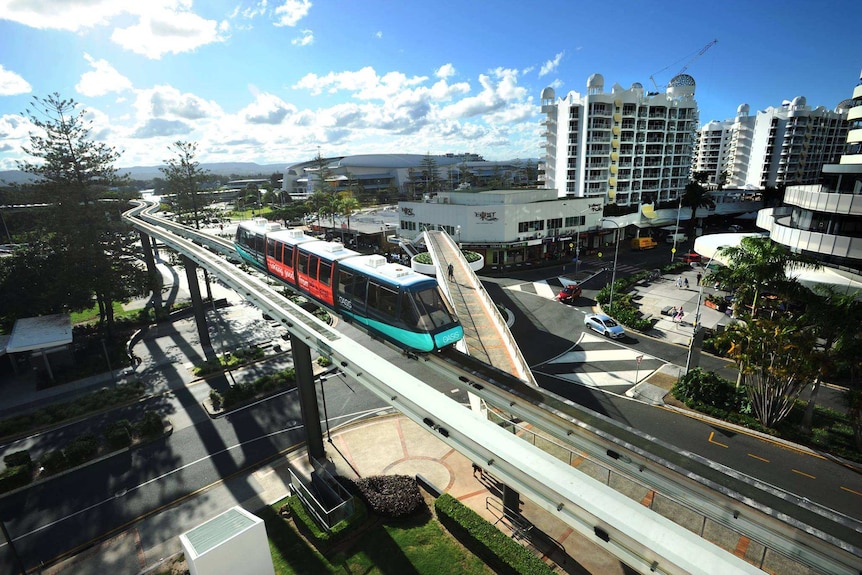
(273,81)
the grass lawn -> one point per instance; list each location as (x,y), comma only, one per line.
(92,315)
(416,546)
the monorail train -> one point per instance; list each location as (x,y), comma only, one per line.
(390,299)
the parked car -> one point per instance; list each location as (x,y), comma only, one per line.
(735,228)
(691,258)
(678,237)
(569,294)
(604,325)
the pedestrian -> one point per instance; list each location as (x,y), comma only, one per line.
(699,277)
(679,315)
(686,283)
(679,282)
(451,272)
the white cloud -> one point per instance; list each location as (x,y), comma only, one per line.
(11,83)
(158,127)
(158,26)
(445,71)
(102,79)
(72,15)
(169,103)
(378,34)
(267,109)
(305,39)
(365,83)
(499,96)
(291,12)
(551,65)
(162,31)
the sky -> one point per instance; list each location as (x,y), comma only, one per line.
(279,81)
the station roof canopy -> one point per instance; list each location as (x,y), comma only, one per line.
(42,332)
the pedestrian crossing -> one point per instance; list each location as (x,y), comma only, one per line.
(598,362)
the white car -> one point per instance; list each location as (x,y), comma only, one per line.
(604,325)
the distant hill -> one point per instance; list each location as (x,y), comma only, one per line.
(150,172)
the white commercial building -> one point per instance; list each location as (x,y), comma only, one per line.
(510,228)
(628,146)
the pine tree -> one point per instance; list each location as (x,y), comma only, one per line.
(73,175)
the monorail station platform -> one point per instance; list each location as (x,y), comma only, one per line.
(486,335)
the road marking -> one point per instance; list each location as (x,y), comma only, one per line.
(711,435)
(803,473)
(853,491)
(758,457)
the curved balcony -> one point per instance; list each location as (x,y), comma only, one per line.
(777,222)
(816,198)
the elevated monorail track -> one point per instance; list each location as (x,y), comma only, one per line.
(819,539)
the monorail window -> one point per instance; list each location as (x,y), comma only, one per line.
(432,308)
(271,250)
(302,263)
(287,258)
(345,284)
(325,274)
(312,266)
(383,299)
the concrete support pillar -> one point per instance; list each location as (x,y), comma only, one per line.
(307,399)
(153,273)
(197,302)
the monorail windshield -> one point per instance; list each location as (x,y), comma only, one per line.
(429,310)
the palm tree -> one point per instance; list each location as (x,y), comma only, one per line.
(775,362)
(759,262)
(317,203)
(834,320)
(695,196)
(348,206)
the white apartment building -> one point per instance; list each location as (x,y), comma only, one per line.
(627,147)
(777,146)
(712,150)
(824,220)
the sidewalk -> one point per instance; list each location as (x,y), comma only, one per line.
(384,445)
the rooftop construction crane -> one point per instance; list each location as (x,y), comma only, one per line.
(687,64)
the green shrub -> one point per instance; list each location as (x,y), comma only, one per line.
(119,434)
(323,361)
(15,476)
(56,413)
(492,545)
(54,461)
(151,425)
(81,449)
(309,526)
(707,388)
(216,399)
(18,458)
(820,436)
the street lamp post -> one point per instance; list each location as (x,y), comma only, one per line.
(616,252)
(458,231)
(696,329)
(676,230)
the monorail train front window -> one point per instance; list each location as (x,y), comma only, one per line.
(433,310)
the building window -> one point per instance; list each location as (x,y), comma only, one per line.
(573,221)
(534,226)
(555,223)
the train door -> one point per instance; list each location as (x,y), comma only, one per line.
(351,292)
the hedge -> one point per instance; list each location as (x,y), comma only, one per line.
(492,544)
(308,525)
(15,477)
